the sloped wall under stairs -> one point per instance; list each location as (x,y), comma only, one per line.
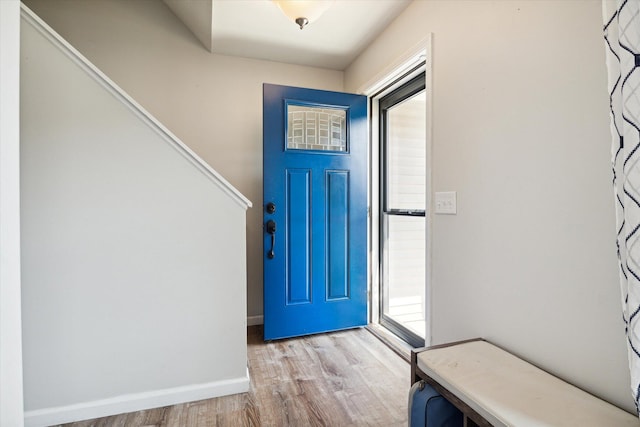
(133,250)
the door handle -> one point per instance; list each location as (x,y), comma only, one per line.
(271,229)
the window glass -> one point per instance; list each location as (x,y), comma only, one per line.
(406,154)
(316,128)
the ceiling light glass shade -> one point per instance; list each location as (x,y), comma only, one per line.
(299,10)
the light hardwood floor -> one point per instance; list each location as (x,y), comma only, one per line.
(346,378)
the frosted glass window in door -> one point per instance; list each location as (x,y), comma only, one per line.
(316,128)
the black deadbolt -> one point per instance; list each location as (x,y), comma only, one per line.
(271,207)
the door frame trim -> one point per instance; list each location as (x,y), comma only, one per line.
(399,71)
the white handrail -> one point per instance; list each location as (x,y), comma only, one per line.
(136,108)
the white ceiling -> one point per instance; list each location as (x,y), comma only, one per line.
(258,29)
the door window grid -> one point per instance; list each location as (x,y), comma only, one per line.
(316,128)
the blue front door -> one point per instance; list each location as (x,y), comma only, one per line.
(315,211)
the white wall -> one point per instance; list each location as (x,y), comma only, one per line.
(11,393)
(212,102)
(520,131)
(134,278)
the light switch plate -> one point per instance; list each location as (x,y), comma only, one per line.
(446,202)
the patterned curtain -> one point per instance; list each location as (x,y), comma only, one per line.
(622,39)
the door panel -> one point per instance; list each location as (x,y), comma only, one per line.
(337,226)
(315,173)
(298,234)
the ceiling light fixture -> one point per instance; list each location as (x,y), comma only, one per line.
(303,12)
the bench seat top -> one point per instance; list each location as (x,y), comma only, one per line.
(507,391)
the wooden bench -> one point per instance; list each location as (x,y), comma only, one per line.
(492,387)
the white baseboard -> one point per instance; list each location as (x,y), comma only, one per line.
(255,320)
(135,402)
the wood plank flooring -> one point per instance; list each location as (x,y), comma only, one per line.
(346,378)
